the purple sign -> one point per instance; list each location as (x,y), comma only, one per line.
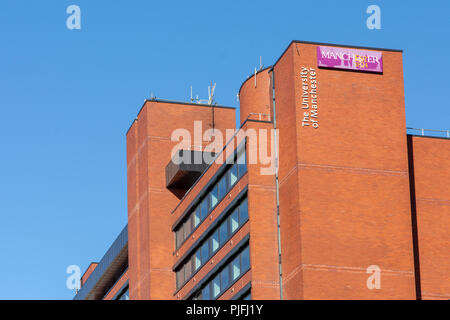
(350,59)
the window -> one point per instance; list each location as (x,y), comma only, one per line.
(124,295)
(223,230)
(206,293)
(243,211)
(224,276)
(223,187)
(219,236)
(187,226)
(204,208)
(180,236)
(233,175)
(205,252)
(245,259)
(234,221)
(197,260)
(216,286)
(248,296)
(241,161)
(216,193)
(188,270)
(180,277)
(214,196)
(215,241)
(197,218)
(236,268)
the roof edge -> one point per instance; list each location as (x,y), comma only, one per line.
(176,102)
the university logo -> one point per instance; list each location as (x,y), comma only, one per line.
(350,59)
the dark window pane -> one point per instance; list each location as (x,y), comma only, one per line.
(216,286)
(180,236)
(234,221)
(187,228)
(180,277)
(241,162)
(204,208)
(223,187)
(124,296)
(225,278)
(188,270)
(243,212)
(223,232)
(233,175)
(197,217)
(197,260)
(214,196)
(215,241)
(236,268)
(205,252)
(245,260)
(205,293)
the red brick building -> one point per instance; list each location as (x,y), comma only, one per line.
(354,208)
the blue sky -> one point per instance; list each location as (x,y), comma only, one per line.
(67,98)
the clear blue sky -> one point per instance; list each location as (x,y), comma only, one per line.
(67,98)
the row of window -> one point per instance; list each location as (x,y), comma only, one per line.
(226,277)
(247,296)
(220,235)
(214,195)
(124,295)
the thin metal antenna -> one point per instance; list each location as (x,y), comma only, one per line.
(210,102)
(211,93)
(255,77)
(260,63)
(192,99)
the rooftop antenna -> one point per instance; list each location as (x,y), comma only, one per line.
(260,63)
(194,99)
(211,93)
(210,101)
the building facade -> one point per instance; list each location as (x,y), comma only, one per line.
(321,193)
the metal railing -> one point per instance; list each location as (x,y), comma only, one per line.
(429,132)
